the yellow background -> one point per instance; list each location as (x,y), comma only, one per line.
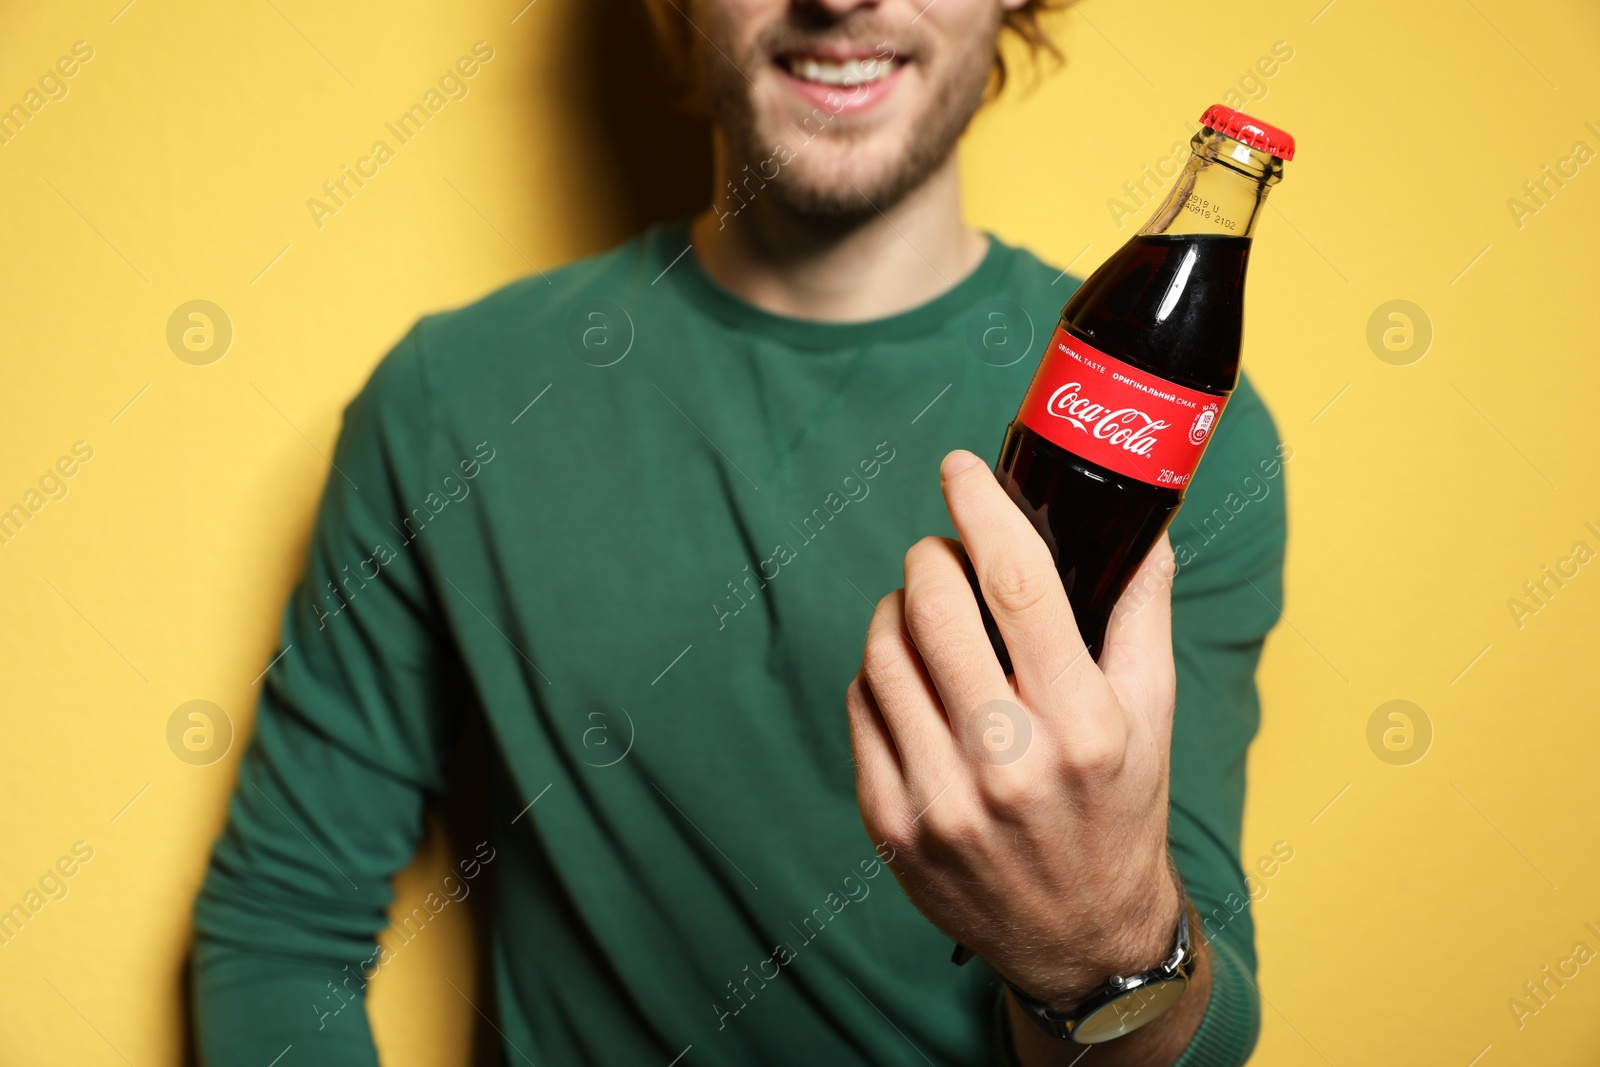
(1419,898)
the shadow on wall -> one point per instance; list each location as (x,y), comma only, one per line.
(657,161)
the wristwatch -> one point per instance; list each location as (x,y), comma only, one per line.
(1125,1003)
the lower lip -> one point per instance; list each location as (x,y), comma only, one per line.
(841,99)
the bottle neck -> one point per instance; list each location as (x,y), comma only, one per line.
(1221,190)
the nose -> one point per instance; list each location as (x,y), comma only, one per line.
(836,8)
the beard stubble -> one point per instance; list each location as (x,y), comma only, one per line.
(834,192)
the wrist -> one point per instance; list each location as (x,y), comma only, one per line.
(1129,999)
(1161,1038)
(1139,941)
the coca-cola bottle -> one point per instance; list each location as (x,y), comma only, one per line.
(1139,370)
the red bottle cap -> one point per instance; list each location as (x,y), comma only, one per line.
(1246,130)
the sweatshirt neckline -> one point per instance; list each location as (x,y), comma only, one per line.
(676,260)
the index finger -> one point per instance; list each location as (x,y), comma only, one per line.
(1016,575)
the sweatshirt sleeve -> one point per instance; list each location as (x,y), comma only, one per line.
(352,731)
(1229,538)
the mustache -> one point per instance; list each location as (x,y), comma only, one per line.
(809,30)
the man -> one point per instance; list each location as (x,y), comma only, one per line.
(636,514)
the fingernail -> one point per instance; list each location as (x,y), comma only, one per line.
(956,462)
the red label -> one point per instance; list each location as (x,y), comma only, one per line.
(1114,414)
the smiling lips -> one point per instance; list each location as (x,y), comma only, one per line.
(842,83)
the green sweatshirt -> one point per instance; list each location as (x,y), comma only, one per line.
(639,525)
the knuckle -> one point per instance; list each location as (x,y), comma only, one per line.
(1166,567)
(1164,561)
(884,651)
(950,823)
(1009,791)
(934,609)
(1018,585)
(895,832)
(925,551)
(885,610)
(1095,755)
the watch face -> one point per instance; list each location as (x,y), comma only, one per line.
(1129,1012)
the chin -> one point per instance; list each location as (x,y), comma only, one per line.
(835,161)
(847,178)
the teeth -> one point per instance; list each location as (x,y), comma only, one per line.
(848,74)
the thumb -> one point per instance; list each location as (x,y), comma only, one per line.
(1137,660)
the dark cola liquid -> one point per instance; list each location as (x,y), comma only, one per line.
(1172,305)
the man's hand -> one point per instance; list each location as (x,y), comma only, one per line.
(1028,813)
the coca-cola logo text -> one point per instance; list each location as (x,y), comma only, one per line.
(1127,428)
